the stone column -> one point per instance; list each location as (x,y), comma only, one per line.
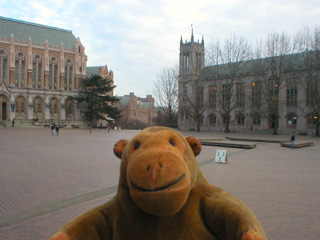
(12,73)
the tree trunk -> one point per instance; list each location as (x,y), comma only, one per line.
(227,129)
(198,126)
(317,134)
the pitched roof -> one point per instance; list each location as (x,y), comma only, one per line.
(125,100)
(258,66)
(92,71)
(22,30)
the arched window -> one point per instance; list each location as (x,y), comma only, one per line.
(68,77)
(37,108)
(240,119)
(53,73)
(54,108)
(4,67)
(311,120)
(292,119)
(69,108)
(256,119)
(37,80)
(212,120)
(20,70)
(21,107)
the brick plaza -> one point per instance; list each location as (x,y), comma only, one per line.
(47,180)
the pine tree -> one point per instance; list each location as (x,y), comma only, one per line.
(99,103)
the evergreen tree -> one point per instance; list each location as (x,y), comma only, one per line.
(99,103)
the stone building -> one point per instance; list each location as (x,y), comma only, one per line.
(41,69)
(137,113)
(296,112)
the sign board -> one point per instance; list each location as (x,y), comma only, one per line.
(221,156)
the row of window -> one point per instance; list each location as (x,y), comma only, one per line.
(37,72)
(291,118)
(227,96)
(38,107)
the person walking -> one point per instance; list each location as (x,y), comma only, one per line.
(293,139)
(57,129)
(13,120)
(52,129)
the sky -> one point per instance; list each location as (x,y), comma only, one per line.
(137,39)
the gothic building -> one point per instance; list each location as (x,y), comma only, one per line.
(41,69)
(206,88)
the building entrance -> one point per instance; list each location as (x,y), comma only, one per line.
(4,111)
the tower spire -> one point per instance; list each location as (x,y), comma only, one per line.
(192,38)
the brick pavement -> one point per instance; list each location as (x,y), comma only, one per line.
(47,180)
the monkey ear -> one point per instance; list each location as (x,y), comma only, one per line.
(195,145)
(119,146)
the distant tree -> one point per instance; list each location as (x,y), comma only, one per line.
(166,96)
(98,101)
(228,63)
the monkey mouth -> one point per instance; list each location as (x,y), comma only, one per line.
(159,188)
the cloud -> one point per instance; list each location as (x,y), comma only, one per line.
(138,38)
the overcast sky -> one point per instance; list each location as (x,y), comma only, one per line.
(136,39)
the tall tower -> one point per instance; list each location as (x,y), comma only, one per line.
(191,62)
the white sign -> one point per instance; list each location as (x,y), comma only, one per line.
(221,156)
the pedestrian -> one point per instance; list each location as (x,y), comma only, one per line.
(13,120)
(108,128)
(57,129)
(293,138)
(90,127)
(52,129)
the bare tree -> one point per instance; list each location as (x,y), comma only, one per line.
(307,70)
(272,71)
(229,66)
(166,96)
(192,101)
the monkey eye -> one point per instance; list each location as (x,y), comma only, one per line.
(136,145)
(172,142)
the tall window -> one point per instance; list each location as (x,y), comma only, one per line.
(240,94)
(292,92)
(185,92)
(273,85)
(186,60)
(256,94)
(37,107)
(68,77)
(53,73)
(312,91)
(212,96)
(226,95)
(54,108)
(200,95)
(69,108)
(198,58)
(21,105)
(37,71)
(4,76)
(20,70)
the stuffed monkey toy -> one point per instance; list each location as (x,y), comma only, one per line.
(162,194)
